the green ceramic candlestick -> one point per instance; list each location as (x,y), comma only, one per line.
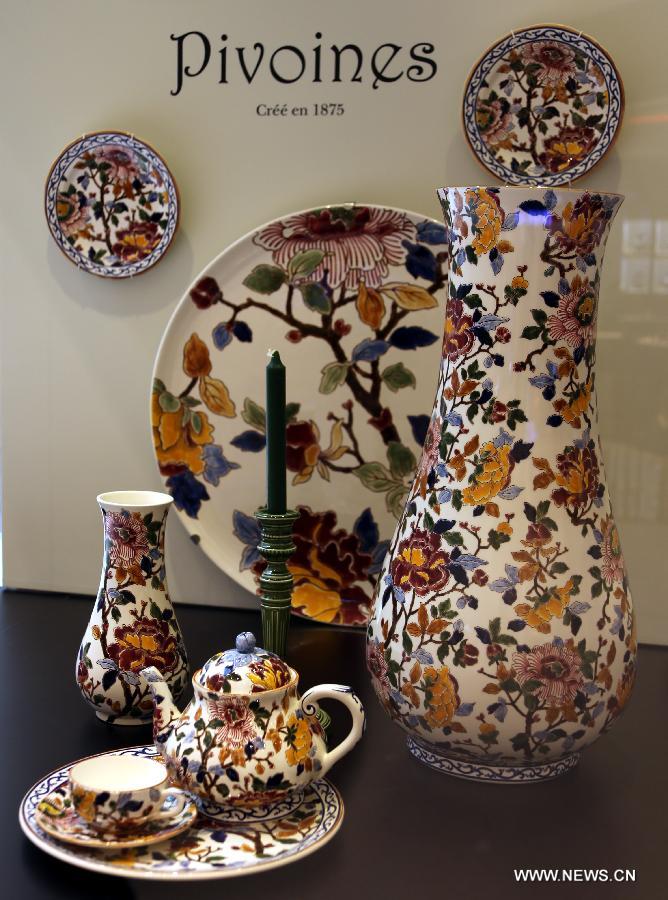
(276,546)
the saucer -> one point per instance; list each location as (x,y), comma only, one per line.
(206,850)
(57,817)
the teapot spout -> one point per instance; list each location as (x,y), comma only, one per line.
(165,712)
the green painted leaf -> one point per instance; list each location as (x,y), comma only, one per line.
(291,411)
(316,298)
(168,402)
(401,459)
(253,414)
(333,375)
(531,332)
(305,263)
(265,279)
(375,477)
(394,500)
(398,376)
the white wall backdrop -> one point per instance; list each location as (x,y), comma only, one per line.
(77,351)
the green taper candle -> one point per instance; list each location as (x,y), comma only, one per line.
(275,421)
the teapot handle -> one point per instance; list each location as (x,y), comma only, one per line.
(344,695)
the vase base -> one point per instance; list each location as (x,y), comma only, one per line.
(123,720)
(478,771)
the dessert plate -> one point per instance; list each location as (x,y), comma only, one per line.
(56,816)
(111,204)
(353,298)
(543,106)
(205,850)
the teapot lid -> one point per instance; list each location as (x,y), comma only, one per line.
(246,669)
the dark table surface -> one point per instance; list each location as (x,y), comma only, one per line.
(408,832)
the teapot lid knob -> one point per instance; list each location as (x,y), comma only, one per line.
(245,642)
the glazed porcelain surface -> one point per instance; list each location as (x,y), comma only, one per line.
(133,624)
(347,294)
(111,204)
(57,817)
(543,106)
(502,637)
(247,745)
(206,850)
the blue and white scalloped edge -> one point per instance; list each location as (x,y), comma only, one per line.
(62,164)
(166,870)
(499,774)
(487,63)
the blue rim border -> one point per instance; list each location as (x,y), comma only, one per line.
(585,45)
(62,164)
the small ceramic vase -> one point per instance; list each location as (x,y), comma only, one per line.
(247,744)
(502,636)
(133,624)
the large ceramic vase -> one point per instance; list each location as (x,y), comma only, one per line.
(133,624)
(502,636)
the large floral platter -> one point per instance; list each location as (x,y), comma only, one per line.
(543,106)
(353,297)
(111,204)
(207,849)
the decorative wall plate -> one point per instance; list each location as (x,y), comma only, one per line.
(348,295)
(543,106)
(112,204)
(57,817)
(206,850)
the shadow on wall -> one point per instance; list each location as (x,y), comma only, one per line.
(157,288)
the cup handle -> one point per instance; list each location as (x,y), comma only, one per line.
(346,696)
(166,815)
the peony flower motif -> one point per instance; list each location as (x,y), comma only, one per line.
(494,123)
(144,642)
(73,213)
(127,537)
(377,666)
(179,447)
(567,148)
(303,451)
(491,476)
(299,740)
(555,61)
(360,243)
(420,564)
(329,568)
(612,561)
(575,320)
(458,336)
(487,217)
(577,476)
(268,674)
(441,696)
(238,722)
(122,163)
(557,669)
(580,226)
(137,241)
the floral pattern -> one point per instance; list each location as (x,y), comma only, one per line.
(111,204)
(502,630)
(207,848)
(542,106)
(133,624)
(352,291)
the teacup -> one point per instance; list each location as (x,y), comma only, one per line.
(122,793)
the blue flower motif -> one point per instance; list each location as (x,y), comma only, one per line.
(188,492)
(216,466)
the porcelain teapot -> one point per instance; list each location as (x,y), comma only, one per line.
(247,743)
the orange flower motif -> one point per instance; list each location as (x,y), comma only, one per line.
(494,476)
(299,739)
(571,412)
(540,616)
(441,698)
(196,359)
(489,219)
(178,445)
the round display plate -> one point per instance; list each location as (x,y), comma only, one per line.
(111,204)
(206,850)
(543,106)
(353,297)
